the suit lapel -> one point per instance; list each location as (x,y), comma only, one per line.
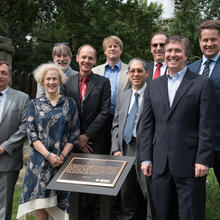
(163,90)
(7,103)
(75,87)
(91,85)
(216,71)
(123,78)
(183,88)
(125,106)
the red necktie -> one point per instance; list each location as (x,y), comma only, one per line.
(83,88)
(157,71)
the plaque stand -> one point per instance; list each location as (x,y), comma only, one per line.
(106,194)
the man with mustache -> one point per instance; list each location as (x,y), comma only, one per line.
(62,56)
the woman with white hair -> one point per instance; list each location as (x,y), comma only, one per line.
(52,129)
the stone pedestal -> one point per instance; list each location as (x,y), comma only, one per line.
(6,49)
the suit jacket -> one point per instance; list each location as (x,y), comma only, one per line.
(215,77)
(120,118)
(124,82)
(183,134)
(13,130)
(95,108)
(40,88)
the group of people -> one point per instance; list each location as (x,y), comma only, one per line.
(165,114)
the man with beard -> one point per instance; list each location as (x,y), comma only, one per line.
(62,56)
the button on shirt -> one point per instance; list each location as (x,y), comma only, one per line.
(140,98)
(2,100)
(211,65)
(162,68)
(174,83)
(113,75)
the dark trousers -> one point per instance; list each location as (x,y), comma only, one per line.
(134,192)
(190,194)
(7,185)
(216,165)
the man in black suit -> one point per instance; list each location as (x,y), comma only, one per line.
(92,94)
(209,40)
(177,135)
(158,66)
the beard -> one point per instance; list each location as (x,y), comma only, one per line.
(65,67)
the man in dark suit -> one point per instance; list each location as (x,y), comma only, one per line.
(124,134)
(209,39)
(158,66)
(13,112)
(177,135)
(92,94)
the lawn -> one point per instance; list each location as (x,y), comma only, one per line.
(212,203)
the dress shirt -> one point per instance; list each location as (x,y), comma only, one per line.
(173,84)
(2,100)
(67,71)
(211,65)
(162,68)
(112,73)
(140,98)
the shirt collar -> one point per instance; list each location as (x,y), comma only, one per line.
(179,75)
(204,59)
(4,92)
(155,64)
(140,91)
(88,77)
(118,65)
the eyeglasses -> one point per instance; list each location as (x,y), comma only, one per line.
(156,45)
(64,43)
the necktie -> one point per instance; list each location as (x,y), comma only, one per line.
(83,88)
(207,68)
(157,71)
(130,120)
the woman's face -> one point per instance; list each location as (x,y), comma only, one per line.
(51,81)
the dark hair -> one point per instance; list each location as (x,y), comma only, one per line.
(158,33)
(86,45)
(181,39)
(7,64)
(210,24)
(141,60)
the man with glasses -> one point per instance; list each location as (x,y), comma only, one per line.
(62,56)
(158,67)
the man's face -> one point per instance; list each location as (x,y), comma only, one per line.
(137,74)
(157,47)
(86,60)
(113,51)
(5,77)
(210,42)
(63,60)
(175,57)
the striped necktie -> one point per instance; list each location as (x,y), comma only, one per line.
(206,70)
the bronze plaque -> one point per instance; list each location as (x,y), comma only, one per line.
(91,171)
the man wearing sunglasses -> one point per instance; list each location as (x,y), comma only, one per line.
(62,56)
(157,67)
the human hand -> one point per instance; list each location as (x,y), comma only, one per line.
(84,144)
(117,153)
(146,168)
(54,160)
(201,170)
(2,150)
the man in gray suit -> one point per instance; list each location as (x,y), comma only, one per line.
(116,71)
(62,56)
(13,111)
(124,141)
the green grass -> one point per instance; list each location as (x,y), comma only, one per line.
(212,201)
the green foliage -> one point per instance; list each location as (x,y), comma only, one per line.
(76,22)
